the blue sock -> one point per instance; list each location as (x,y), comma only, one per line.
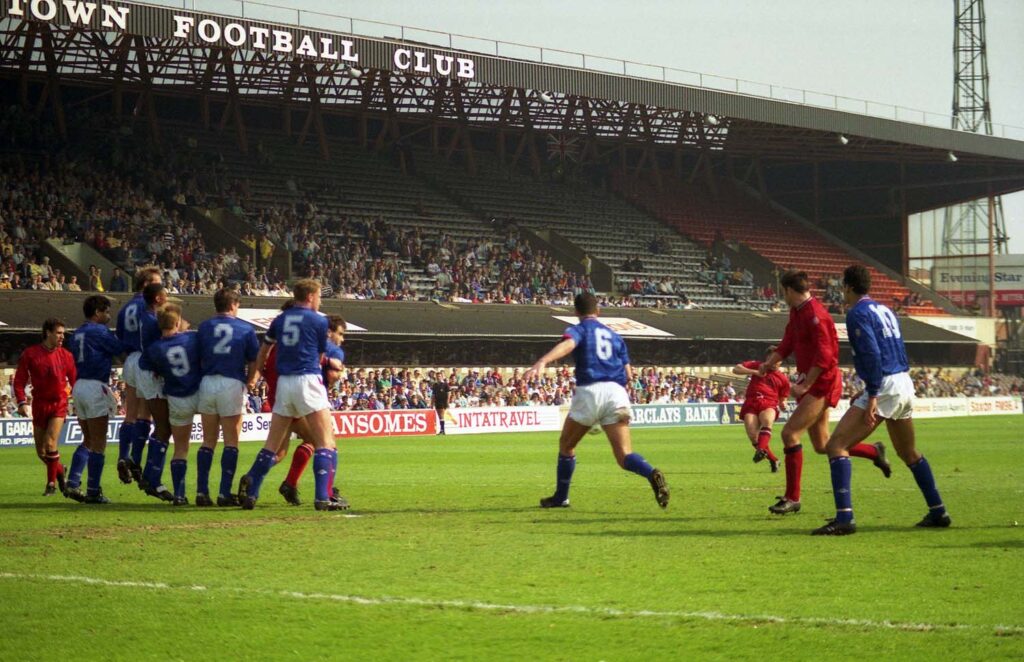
(842,471)
(265,460)
(321,473)
(204,461)
(78,462)
(566,465)
(142,431)
(96,462)
(154,471)
(636,463)
(178,470)
(334,462)
(926,481)
(228,465)
(125,433)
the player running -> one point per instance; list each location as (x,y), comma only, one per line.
(94,347)
(228,347)
(50,369)
(811,334)
(174,357)
(602,371)
(334,361)
(150,388)
(300,334)
(137,424)
(881,361)
(761,407)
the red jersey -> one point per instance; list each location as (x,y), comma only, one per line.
(270,374)
(769,390)
(811,333)
(50,371)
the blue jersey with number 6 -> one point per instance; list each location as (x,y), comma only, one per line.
(600,353)
(129,320)
(94,347)
(877,343)
(227,344)
(176,359)
(301,337)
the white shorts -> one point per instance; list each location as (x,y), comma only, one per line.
(93,399)
(130,372)
(149,386)
(600,402)
(182,410)
(222,396)
(299,395)
(895,397)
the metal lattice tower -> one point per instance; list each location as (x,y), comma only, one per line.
(966,227)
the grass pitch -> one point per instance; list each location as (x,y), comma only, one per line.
(449,557)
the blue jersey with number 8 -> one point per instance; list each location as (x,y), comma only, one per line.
(129,320)
(301,337)
(600,353)
(176,359)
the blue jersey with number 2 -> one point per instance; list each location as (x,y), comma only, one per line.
(600,353)
(227,344)
(301,337)
(877,343)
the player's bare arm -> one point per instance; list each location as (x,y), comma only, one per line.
(559,351)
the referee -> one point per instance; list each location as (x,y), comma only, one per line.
(440,399)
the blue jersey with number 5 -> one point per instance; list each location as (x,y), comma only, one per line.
(600,353)
(301,337)
(94,347)
(877,343)
(227,344)
(176,359)
(129,321)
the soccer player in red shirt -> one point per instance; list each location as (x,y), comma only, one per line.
(811,334)
(761,407)
(51,370)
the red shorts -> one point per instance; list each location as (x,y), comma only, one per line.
(757,406)
(829,388)
(43,411)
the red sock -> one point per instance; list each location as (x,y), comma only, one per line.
(866,451)
(794,467)
(53,466)
(763,437)
(300,460)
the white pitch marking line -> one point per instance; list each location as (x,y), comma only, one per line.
(536,609)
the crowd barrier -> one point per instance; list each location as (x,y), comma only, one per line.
(424,422)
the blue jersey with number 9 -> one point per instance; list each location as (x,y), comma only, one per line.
(600,353)
(176,359)
(301,337)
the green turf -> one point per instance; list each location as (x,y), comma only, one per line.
(457,562)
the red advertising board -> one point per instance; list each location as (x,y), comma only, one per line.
(385,423)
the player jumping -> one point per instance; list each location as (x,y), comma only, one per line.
(300,334)
(881,361)
(150,388)
(761,407)
(810,333)
(228,349)
(94,347)
(602,371)
(50,369)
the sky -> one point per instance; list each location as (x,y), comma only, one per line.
(896,53)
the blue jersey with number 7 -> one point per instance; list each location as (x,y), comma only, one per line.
(600,353)
(301,337)
(877,343)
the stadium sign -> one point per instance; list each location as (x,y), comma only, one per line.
(621,325)
(16,432)
(385,423)
(478,420)
(225,32)
(964,280)
(673,416)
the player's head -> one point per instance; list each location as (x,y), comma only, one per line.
(226,300)
(795,287)
(336,329)
(856,282)
(53,332)
(307,292)
(145,276)
(155,294)
(585,304)
(169,317)
(96,308)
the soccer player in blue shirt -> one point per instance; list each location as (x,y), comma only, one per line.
(602,371)
(881,362)
(300,335)
(175,358)
(94,347)
(150,387)
(137,424)
(228,347)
